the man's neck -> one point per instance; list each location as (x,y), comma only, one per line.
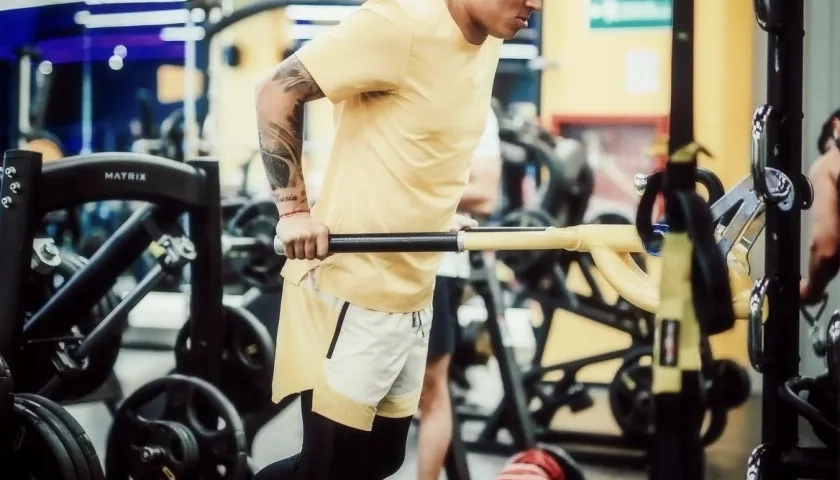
(472,32)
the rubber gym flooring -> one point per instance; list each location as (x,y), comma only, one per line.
(281,437)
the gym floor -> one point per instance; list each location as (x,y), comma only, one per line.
(282,437)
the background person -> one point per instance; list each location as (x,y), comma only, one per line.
(478,201)
(823,258)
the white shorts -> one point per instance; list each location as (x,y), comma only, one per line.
(358,362)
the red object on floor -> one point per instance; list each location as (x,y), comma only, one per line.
(535,464)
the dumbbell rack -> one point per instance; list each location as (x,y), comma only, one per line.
(781,456)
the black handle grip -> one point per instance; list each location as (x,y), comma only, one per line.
(388,243)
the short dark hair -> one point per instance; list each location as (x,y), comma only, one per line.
(827,132)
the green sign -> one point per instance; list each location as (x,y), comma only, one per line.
(615,14)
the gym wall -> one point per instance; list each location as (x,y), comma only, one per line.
(598,73)
(261,41)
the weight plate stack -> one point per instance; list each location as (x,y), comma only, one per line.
(88,453)
(38,450)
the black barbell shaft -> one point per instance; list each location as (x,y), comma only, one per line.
(388,242)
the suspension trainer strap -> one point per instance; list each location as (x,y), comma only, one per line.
(676,451)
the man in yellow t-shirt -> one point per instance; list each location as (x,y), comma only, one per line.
(411,83)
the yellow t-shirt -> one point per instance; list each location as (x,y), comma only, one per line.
(411,99)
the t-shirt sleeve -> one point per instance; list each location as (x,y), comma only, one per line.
(366,52)
(489,145)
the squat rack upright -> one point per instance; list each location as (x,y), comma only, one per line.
(780,457)
(783,20)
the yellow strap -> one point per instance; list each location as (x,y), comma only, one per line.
(677,335)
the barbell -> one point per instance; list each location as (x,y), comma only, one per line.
(738,216)
(610,246)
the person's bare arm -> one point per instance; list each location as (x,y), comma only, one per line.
(482,191)
(824,258)
(280,106)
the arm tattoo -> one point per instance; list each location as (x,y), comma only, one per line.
(281,133)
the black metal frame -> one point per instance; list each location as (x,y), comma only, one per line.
(548,288)
(780,457)
(512,413)
(550,294)
(173,188)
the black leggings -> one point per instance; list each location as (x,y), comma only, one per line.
(334,451)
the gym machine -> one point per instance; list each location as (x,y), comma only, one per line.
(487,286)
(629,394)
(774,337)
(736,219)
(167,424)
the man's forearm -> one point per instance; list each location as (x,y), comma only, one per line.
(482,191)
(280,107)
(477,201)
(823,265)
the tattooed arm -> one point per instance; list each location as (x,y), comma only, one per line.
(280,102)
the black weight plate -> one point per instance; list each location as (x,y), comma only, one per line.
(259,267)
(631,399)
(74,450)
(247,360)
(731,383)
(37,452)
(88,450)
(99,364)
(200,407)
(523,263)
(824,395)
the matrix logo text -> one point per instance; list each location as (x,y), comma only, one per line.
(128,176)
